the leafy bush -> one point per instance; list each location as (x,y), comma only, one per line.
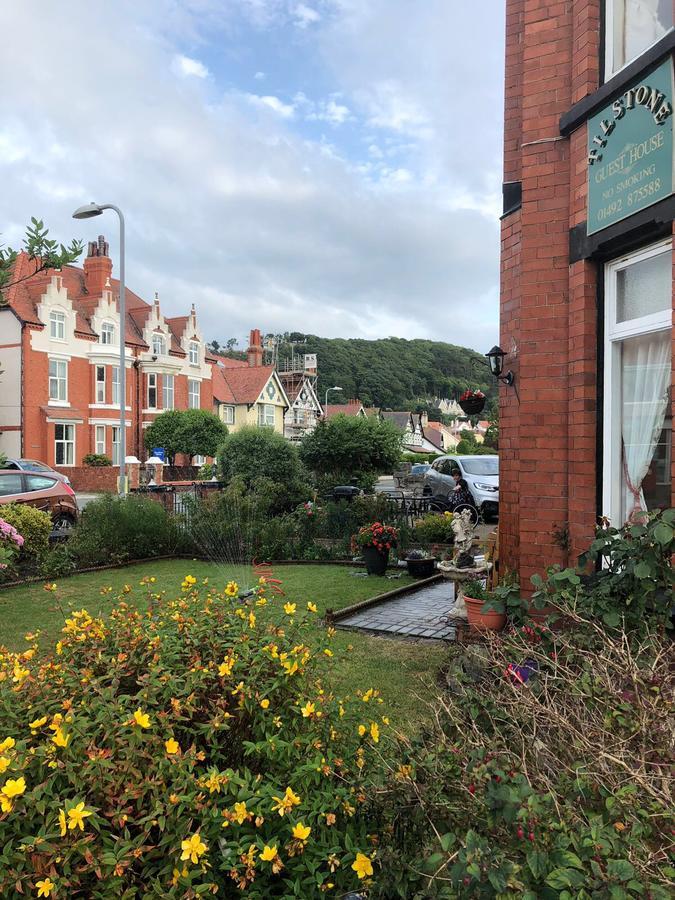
(96,460)
(34,526)
(190,749)
(113,529)
(10,544)
(434,528)
(189,431)
(545,776)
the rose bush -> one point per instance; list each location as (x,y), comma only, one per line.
(191,749)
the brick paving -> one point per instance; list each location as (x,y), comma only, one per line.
(424,613)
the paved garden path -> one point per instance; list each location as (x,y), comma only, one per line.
(420,614)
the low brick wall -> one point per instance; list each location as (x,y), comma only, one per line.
(98,479)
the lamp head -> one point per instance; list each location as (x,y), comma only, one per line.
(495,359)
(336,389)
(88,211)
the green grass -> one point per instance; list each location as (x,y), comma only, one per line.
(404,671)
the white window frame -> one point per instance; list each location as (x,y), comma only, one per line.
(107,335)
(168,392)
(57,325)
(58,382)
(100,384)
(115,386)
(264,415)
(615,333)
(99,439)
(610,22)
(158,344)
(115,445)
(152,387)
(193,353)
(68,444)
(194,393)
(228,415)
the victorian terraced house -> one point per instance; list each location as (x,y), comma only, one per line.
(59,349)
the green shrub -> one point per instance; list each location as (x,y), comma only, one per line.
(199,746)
(96,460)
(34,526)
(113,529)
(434,528)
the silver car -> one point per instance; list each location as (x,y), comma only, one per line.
(34,465)
(481,474)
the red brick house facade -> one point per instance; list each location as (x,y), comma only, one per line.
(59,352)
(586,272)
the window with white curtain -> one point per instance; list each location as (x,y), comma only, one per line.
(193,393)
(266,415)
(228,415)
(58,380)
(100,439)
(167,392)
(632,26)
(158,345)
(115,385)
(638,349)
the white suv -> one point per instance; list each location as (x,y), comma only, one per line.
(481,474)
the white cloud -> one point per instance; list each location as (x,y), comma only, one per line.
(305,15)
(187,67)
(285,110)
(259,76)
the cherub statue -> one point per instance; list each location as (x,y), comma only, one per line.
(462,528)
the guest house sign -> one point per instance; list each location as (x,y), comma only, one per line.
(630,150)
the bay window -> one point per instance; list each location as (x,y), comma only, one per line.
(115,445)
(637,418)
(115,385)
(632,26)
(167,392)
(152,390)
(100,384)
(58,380)
(64,444)
(99,442)
(193,393)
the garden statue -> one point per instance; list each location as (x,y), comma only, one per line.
(463,529)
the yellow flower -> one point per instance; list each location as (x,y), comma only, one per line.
(368,695)
(62,822)
(289,608)
(14,787)
(232,589)
(37,723)
(7,744)
(286,803)
(251,620)
(328,652)
(375,732)
(171,746)
(362,865)
(225,668)
(76,816)
(213,783)
(311,607)
(59,648)
(301,832)
(241,814)
(141,719)
(193,848)
(362,730)
(268,853)
(4,764)
(265,703)
(60,739)
(45,887)
(307,710)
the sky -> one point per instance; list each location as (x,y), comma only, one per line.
(327,166)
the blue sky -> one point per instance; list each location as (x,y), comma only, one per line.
(330,166)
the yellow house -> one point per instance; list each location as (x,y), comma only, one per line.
(245,394)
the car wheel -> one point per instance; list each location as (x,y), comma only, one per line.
(63,522)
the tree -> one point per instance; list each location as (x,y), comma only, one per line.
(348,449)
(44,252)
(492,436)
(468,443)
(189,431)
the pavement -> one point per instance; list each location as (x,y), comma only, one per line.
(83,499)
(425,613)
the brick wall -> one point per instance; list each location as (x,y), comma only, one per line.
(98,479)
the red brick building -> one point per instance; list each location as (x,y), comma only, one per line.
(587,274)
(59,352)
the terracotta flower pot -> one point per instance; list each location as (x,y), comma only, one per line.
(376,562)
(480,621)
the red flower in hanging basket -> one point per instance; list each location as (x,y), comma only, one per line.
(472,395)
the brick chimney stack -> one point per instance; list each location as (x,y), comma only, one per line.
(97,266)
(255,350)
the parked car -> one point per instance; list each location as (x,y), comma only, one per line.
(481,474)
(420,468)
(34,465)
(42,490)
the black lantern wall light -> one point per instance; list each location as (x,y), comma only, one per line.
(495,358)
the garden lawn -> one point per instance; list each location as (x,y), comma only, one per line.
(404,671)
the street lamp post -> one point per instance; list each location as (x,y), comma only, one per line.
(328,392)
(88,212)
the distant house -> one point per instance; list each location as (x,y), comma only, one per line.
(436,431)
(350,408)
(249,393)
(304,410)
(413,426)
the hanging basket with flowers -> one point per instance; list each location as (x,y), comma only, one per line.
(472,402)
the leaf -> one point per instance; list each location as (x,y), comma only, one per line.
(620,869)
(537,862)
(663,533)
(611,618)
(563,878)
(643,569)
(567,858)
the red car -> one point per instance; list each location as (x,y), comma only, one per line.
(44,491)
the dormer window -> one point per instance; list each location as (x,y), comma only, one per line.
(158,345)
(107,333)
(57,325)
(194,353)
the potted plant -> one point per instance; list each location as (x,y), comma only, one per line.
(472,402)
(420,564)
(484,610)
(375,541)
